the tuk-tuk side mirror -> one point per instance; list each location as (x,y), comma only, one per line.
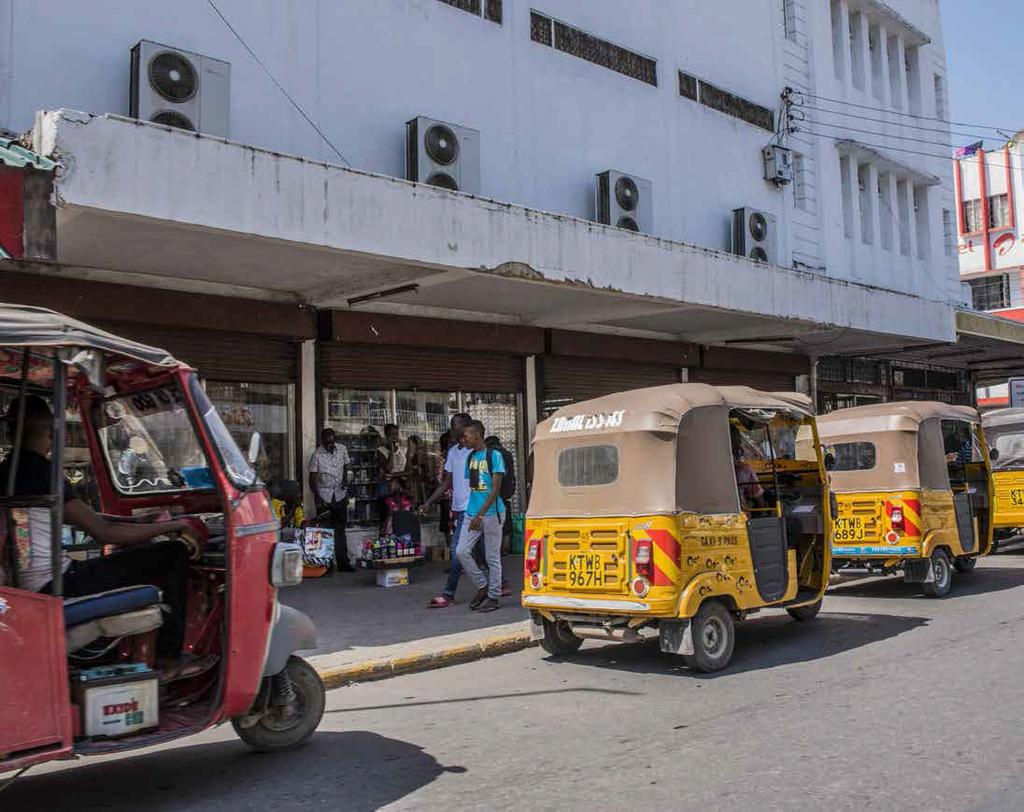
(993,454)
(830,461)
(254,447)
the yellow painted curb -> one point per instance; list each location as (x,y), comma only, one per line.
(371,670)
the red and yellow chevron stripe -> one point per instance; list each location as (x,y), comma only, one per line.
(911,514)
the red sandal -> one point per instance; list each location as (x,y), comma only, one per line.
(441,602)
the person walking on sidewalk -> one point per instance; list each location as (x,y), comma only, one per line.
(327,481)
(485,513)
(455,479)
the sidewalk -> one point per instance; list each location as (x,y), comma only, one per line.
(367,632)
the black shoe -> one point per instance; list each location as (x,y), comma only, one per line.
(345,566)
(481,596)
(489,605)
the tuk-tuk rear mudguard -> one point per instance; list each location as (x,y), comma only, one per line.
(918,571)
(675,636)
(292,632)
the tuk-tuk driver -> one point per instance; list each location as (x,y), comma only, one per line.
(165,562)
(751,492)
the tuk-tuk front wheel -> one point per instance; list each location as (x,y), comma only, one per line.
(942,572)
(558,638)
(293,710)
(965,563)
(808,612)
(714,636)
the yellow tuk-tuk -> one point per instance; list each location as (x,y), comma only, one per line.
(669,513)
(912,485)
(1004,433)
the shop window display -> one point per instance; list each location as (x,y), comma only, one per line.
(267,408)
(359,417)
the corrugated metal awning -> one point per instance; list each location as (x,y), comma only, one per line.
(15,155)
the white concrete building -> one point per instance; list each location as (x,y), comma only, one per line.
(682,94)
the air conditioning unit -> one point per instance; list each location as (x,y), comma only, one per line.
(180,89)
(753,234)
(625,201)
(443,155)
(778,165)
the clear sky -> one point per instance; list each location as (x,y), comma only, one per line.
(986,71)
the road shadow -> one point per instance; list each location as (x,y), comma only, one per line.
(353,770)
(762,643)
(983,580)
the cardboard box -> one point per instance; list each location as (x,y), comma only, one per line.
(397,576)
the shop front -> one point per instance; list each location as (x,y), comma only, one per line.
(581,366)
(250,370)
(767,371)
(416,373)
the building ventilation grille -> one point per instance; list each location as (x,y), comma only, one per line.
(576,42)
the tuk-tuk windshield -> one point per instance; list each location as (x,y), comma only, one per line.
(1008,441)
(150,443)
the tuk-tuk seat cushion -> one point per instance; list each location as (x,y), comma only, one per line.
(112,602)
(125,624)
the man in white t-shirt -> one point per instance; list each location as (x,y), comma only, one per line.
(455,478)
(327,480)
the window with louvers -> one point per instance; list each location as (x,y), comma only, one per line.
(576,42)
(698,90)
(488,9)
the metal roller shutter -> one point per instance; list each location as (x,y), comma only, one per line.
(359,366)
(568,380)
(222,356)
(765,380)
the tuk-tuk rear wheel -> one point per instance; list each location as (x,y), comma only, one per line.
(558,638)
(808,612)
(940,586)
(281,728)
(714,636)
(965,563)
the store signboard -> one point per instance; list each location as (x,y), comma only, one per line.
(1016,392)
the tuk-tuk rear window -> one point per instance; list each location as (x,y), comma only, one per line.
(854,456)
(588,465)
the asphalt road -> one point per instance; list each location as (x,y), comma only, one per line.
(888,701)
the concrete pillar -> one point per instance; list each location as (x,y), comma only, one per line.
(863,41)
(841,40)
(883,70)
(902,101)
(307,419)
(911,219)
(859,62)
(874,208)
(892,210)
(531,400)
(852,171)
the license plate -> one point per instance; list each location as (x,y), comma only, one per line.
(1017,497)
(586,571)
(849,528)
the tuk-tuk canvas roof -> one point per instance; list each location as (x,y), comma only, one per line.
(999,418)
(644,425)
(661,408)
(880,417)
(24,326)
(907,440)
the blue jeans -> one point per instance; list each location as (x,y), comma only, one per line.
(456,568)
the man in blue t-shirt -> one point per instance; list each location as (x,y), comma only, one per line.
(485,513)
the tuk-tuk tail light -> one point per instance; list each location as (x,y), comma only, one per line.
(534,554)
(896,518)
(641,586)
(643,557)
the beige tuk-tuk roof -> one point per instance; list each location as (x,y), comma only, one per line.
(907,440)
(1000,418)
(672,445)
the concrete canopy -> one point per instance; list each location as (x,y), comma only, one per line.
(145,204)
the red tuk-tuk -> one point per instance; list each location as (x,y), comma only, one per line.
(78,675)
